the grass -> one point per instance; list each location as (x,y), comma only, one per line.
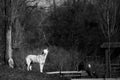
(7,73)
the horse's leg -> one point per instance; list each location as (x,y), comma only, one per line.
(41,67)
(30,67)
(27,66)
(28,61)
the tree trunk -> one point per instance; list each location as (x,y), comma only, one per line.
(107,64)
(9,47)
(109,36)
(54,8)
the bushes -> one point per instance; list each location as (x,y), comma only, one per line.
(58,59)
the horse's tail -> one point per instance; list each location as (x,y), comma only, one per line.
(26,61)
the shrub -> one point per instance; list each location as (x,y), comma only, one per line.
(58,59)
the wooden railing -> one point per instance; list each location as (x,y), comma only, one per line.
(115,70)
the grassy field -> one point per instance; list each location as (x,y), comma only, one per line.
(7,73)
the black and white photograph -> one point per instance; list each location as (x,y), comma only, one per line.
(59,39)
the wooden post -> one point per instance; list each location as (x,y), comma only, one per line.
(107,58)
(108,46)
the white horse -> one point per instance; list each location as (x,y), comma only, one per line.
(41,58)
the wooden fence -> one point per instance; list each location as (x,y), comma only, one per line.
(115,67)
(115,70)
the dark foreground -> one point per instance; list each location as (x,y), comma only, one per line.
(7,73)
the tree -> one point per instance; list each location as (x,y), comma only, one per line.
(12,15)
(6,15)
(37,23)
(3,17)
(107,10)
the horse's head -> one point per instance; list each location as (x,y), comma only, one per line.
(45,51)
